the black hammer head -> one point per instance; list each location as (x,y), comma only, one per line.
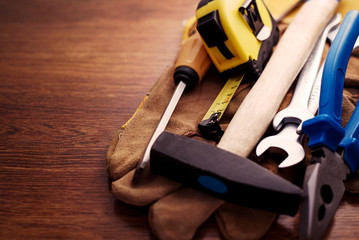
(222,174)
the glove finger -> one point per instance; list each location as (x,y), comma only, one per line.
(131,140)
(126,150)
(237,222)
(146,190)
(179,214)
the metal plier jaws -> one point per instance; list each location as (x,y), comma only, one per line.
(331,143)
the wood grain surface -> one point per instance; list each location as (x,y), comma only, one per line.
(71,73)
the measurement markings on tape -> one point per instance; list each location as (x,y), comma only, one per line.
(209,126)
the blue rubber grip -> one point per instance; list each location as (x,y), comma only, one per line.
(325,129)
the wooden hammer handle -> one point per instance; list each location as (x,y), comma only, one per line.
(257,110)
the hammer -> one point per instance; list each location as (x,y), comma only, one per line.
(223,171)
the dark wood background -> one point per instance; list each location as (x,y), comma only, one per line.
(71,73)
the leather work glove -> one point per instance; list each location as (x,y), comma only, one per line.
(176,212)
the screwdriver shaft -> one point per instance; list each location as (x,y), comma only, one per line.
(191,65)
(161,126)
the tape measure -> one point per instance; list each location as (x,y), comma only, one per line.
(239,36)
(209,126)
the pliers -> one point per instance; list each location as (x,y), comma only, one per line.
(335,150)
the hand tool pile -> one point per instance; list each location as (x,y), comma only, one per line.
(289,120)
(238,38)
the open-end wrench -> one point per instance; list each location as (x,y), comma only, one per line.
(288,141)
(287,137)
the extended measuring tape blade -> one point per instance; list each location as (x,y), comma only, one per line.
(209,125)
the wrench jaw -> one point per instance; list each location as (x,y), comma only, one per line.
(266,147)
(292,161)
(292,154)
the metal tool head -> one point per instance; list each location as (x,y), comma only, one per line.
(223,174)
(287,143)
(324,189)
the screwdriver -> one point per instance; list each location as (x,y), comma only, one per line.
(191,65)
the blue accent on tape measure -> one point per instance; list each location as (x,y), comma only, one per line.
(212,184)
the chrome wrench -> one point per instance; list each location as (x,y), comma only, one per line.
(297,111)
(288,141)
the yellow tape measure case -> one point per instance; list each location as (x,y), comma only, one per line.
(237,34)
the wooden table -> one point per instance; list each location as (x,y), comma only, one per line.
(71,73)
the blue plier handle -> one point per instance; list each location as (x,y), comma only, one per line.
(325,129)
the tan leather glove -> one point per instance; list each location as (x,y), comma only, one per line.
(176,212)
(172,206)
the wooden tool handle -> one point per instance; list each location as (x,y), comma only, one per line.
(256,112)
